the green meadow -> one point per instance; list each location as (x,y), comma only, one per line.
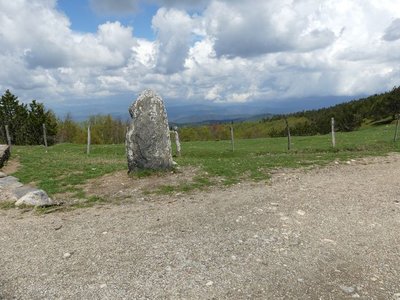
(64,167)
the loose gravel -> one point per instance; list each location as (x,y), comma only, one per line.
(327,233)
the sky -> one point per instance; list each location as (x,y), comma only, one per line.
(100,54)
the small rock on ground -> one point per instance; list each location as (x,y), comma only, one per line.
(35,198)
(347,289)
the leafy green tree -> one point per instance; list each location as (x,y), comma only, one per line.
(103,128)
(348,121)
(106,130)
(68,130)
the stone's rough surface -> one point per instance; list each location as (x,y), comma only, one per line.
(21,191)
(7,196)
(11,190)
(4,154)
(35,198)
(10,182)
(2,175)
(148,144)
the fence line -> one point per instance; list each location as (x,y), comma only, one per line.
(8,136)
(232,138)
(397,128)
(288,134)
(44,135)
(88,141)
(229,133)
(177,140)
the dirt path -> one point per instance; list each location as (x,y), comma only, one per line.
(331,233)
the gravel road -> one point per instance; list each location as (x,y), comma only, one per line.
(327,233)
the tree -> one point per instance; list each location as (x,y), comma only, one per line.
(106,130)
(37,116)
(68,130)
(25,125)
(15,115)
(393,102)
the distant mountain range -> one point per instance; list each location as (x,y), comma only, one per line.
(206,114)
(238,112)
(197,113)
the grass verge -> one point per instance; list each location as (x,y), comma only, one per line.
(66,167)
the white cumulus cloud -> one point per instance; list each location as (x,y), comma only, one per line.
(173,28)
(211,50)
(258,27)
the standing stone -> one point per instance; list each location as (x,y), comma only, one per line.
(148,145)
(4,154)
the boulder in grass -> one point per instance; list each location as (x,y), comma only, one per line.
(35,198)
(4,154)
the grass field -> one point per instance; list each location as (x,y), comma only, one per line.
(63,167)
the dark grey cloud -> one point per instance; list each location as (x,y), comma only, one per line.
(48,57)
(185,4)
(123,7)
(114,6)
(255,28)
(316,39)
(249,43)
(392,33)
(253,38)
(246,46)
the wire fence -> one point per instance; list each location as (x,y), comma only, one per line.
(118,136)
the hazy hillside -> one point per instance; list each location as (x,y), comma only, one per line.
(349,116)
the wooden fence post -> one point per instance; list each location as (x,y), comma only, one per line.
(8,136)
(177,142)
(88,141)
(232,138)
(333,132)
(397,128)
(288,134)
(44,135)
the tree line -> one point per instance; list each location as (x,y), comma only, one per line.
(104,129)
(25,122)
(349,116)
(373,110)
(25,125)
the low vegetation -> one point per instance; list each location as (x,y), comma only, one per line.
(366,127)
(63,168)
